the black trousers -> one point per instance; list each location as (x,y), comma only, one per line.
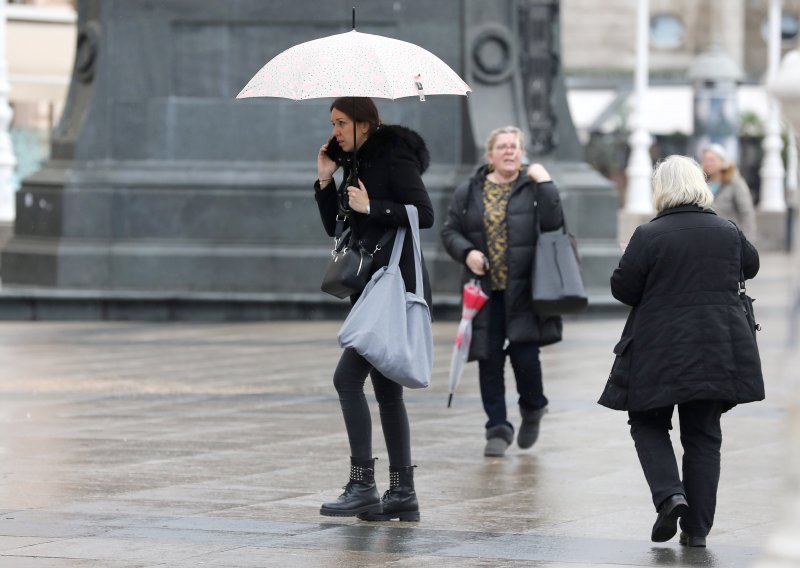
(524,361)
(349,378)
(701,438)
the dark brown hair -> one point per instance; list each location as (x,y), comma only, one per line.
(359,109)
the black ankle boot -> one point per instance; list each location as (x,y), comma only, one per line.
(360,494)
(400,501)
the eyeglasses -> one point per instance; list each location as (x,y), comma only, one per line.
(504,147)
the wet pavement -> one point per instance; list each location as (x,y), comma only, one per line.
(128,444)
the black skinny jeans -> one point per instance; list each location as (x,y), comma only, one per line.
(349,378)
(524,361)
(701,438)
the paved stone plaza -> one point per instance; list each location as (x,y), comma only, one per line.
(127,444)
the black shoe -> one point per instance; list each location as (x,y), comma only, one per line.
(529,429)
(666,524)
(400,501)
(692,541)
(360,494)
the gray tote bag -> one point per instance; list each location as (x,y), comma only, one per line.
(391,327)
(556,285)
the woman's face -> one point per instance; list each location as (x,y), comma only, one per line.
(712,164)
(343,130)
(506,154)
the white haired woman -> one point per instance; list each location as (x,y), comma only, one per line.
(732,197)
(686,343)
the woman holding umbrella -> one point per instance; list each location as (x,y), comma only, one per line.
(491,230)
(390,163)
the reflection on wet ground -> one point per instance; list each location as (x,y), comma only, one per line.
(138,444)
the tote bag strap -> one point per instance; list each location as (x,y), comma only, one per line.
(413,221)
(399,238)
(537,216)
(397,248)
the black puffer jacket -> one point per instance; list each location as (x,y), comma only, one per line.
(687,337)
(464,231)
(390,164)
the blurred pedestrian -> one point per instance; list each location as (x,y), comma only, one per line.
(686,342)
(391,160)
(491,230)
(732,197)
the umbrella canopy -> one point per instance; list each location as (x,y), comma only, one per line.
(354,64)
(473,299)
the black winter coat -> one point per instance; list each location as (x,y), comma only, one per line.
(464,231)
(390,164)
(687,337)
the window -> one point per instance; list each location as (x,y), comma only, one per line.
(790,28)
(666,31)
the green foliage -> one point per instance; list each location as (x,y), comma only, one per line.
(750,124)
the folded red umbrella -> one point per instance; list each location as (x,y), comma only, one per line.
(473,298)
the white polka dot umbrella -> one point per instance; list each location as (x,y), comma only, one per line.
(354,64)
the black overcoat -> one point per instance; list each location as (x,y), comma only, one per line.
(464,231)
(686,337)
(390,164)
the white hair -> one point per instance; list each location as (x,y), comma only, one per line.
(720,152)
(679,180)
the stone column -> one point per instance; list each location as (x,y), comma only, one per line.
(638,198)
(772,172)
(727,28)
(783,548)
(7,159)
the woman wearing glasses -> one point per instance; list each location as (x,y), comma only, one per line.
(491,230)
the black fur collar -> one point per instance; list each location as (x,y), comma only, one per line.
(383,139)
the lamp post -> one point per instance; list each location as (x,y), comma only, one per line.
(715,76)
(638,197)
(772,172)
(7,159)
(792,189)
(783,547)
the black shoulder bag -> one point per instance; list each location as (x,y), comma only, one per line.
(747,301)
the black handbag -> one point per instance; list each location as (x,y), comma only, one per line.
(350,266)
(747,305)
(615,393)
(556,284)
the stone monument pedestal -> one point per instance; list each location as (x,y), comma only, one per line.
(164,191)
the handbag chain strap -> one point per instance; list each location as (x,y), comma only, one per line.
(339,232)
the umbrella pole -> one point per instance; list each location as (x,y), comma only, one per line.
(449,400)
(355,145)
(353,178)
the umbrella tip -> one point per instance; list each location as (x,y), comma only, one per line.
(449,400)
(354,17)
